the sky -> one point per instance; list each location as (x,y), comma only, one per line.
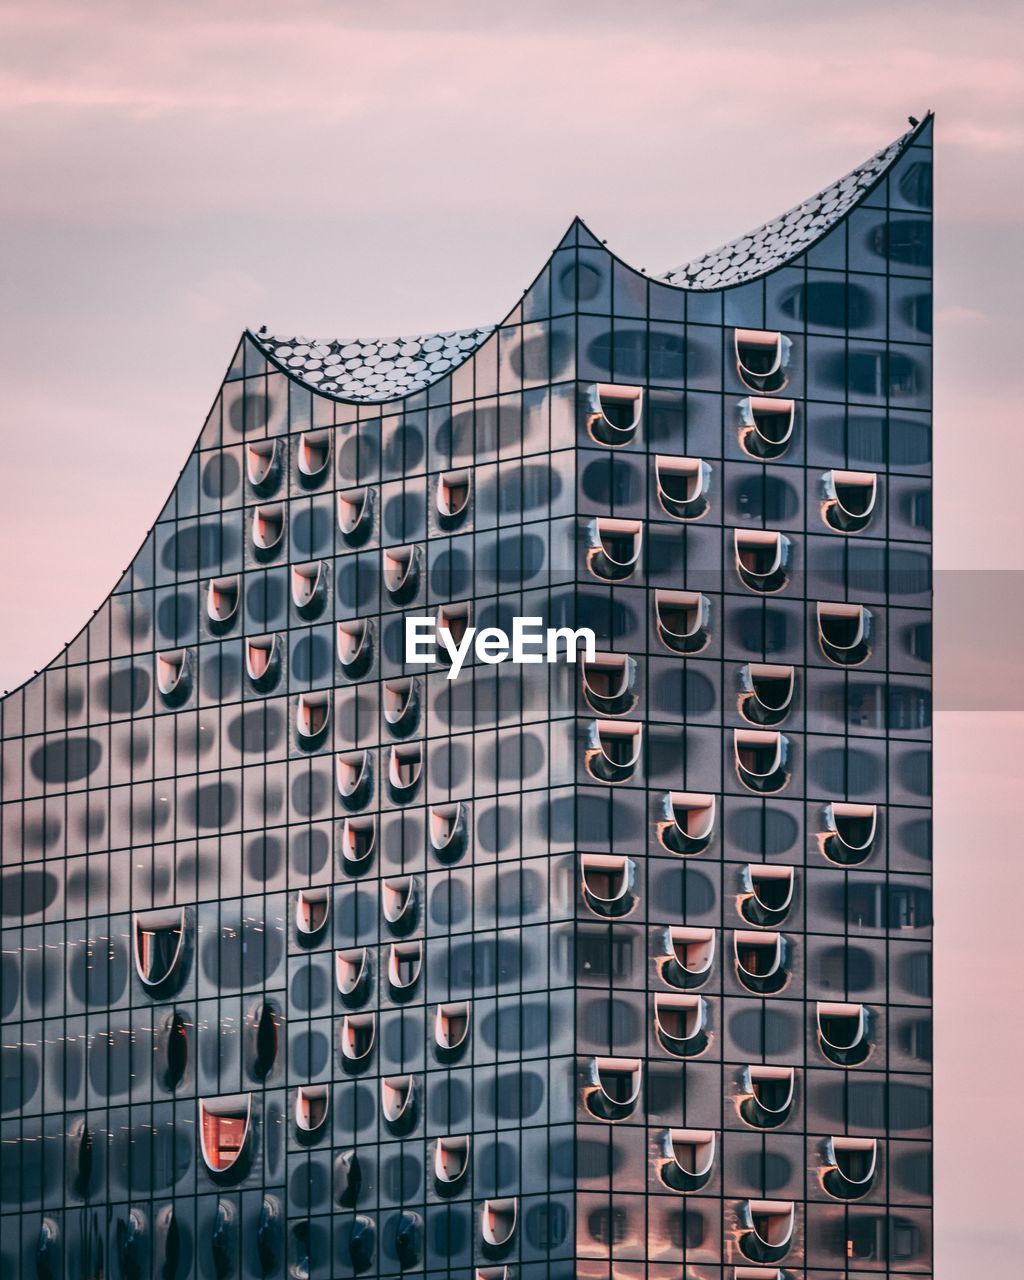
(172,173)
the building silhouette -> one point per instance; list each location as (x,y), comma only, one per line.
(318,964)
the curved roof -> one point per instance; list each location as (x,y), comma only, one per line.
(375,370)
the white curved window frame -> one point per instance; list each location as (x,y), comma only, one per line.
(398,901)
(612,1087)
(766,426)
(405,964)
(762,357)
(312,1108)
(499,1220)
(352,972)
(613,749)
(607,884)
(688,820)
(767,892)
(173,673)
(225,1127)
(761,759)
(687,1158)
(451,1159)
(398,1099)
(770,1225)
(268,526)
(844,632)
(400,568)
(263,463)
(687,955)
(353,776)
(767,691)
(309,587)
(158,945)
(400,704)
(680,1023)
(452,496)
(614,548)
(447,825)
(451,1026)
(355,514)
(614,413)
(850,1166)
(405,769)
(262,660)
(314,456)
(222,599)
(683,486)
(313,715)
(851,834)
(849,499)
(358,1037)
(609,682)
(358,842)
(354,645)
(842,1032)
(312,910)
(769,1093)
(760,960)
(756,1273)
(682,619)
(762,559)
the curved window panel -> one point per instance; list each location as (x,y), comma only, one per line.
(498,1222)
(613,749)
(688,822)
(222,597)
(680,1023)
(609,683)
(687,955)
(455,619)
(309,588)
(766,427)
(683,485)
(405,961)
(762,559)
(766,692)
(172,1049)
(174,675)
(409,1240)
(79,1146)
(852,829)
(264,1033)
(452,497)
(353,773)
(225,1132)
(682,620)
(348,1178)
(269,1230)
(762,358)
(49,1265)
(844,633)
(608,883)
(451,1162)
(849,500)
(492,1273)
(313,457)
(401,569)
(312,1109)
(612,1086)
(448,831)
(614,547)
(358,843)
(268,523)
(760,961)
(757,1273)
(687,1158)
(263,464)
(768,1230)
(767,1096)
(159,944)
(352,974)
(263,661)
(405,768)
(312,911)
(614,413)
(357,1039)
(843,1033)
(398,1102)
(400,702)
(767,893)
(398,903)
(132,1244)
(355,515)
(850,1166)
(312,717)
(355,647)
(451,1028)
(761,759)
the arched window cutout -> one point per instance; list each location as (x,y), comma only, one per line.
(850,1166)
(688,822)
(766,427)
(761,759)
(313,716)
(680,1023)
(844,632)
(767,1095)
(400,702)
(769,1229)
(762,357)
(352,974)
(613,749)
(358,843)
(448,830)
(767,893)
(222,597)
(849,499)
(852,829)
(843,1032)
(398,902)
(687,1158)
(225,1128)
(353,772)
(263,464)
(455,619)
(760,961)
(159,946)
(498,1222)
(355,515)
(312,911)
(348,1178)
(405,768)
(401,568)
(612,1087)
(174,675)
(355,647)
(614,547)
(614,413)
(312,1109)
(264,1037)
(405,962)
(762,559)
(608,883)
(262,661)
(172,1049)
(268,529)
(451,1028)
(682,618)
(358,1035)
(309,588)
(609,683)
(687,956)
(766,695)
(683,485)
(314,456)
(453,493)
(451,1161)
(398,1102)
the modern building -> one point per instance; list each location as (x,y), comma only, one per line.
(315,963)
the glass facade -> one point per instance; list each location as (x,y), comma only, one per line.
(319,964)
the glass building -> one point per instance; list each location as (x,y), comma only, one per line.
(316,963)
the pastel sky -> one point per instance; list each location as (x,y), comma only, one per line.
(172,173)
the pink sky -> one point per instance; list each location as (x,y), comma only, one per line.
(169,174)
